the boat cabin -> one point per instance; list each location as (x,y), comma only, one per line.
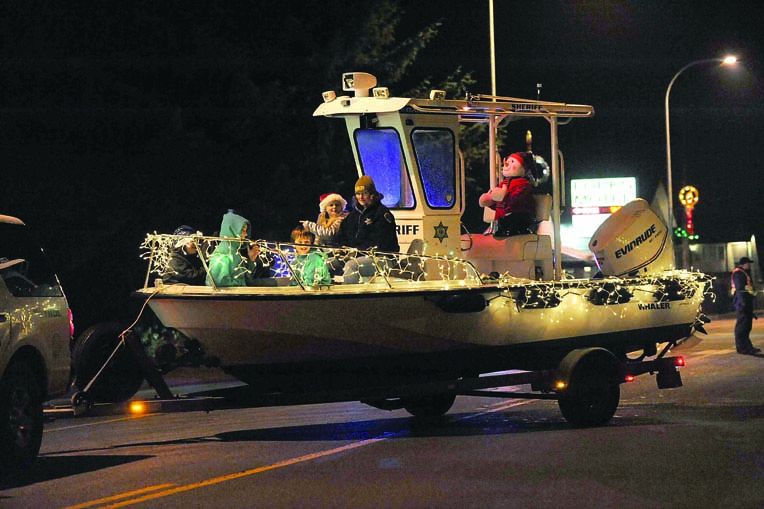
(410,147)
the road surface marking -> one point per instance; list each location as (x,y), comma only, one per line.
(121,495)
(85,425)
(266,468)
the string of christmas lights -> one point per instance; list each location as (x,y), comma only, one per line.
(397,268)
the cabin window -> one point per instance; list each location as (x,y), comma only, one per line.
(382,159)
(434,149)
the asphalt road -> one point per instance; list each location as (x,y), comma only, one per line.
(701,445)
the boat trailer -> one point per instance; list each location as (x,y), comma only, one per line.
(585,384)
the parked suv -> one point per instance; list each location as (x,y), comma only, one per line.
(35,343)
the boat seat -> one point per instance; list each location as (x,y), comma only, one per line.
(543,207)
(410,267)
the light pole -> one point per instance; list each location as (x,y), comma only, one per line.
(730,60)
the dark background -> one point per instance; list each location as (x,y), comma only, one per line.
(118,120)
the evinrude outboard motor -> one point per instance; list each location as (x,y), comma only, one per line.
(633,241)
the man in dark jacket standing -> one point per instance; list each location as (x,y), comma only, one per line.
(370,225)
(743,302)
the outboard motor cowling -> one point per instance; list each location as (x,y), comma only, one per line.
(633,241)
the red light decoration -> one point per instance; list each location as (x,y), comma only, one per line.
(688,197)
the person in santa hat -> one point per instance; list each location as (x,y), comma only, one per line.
(513,199)
(327,226)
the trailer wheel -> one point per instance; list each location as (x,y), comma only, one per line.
(21,417)
(592,395)
(433,405)
(120,379)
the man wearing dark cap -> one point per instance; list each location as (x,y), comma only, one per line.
(743,302)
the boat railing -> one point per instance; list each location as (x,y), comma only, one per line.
(276,260)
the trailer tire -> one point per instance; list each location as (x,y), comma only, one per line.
(432,405)
(120,380)
(21,417)
(593,392)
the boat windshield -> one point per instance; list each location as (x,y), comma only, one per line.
(435,156)
(382,158)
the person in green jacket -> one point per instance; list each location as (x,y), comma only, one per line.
(236,262)
(309,264)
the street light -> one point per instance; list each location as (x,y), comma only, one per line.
(729,60)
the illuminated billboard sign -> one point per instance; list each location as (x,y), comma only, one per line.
(592,195)
(593,200)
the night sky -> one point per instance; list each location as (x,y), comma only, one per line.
(118,120)
(620,57)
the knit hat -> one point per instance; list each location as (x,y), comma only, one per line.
(365,184)
(744,260)
(187,233)
(327,199)
(184,230)
(523,158)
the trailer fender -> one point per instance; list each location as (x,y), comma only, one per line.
(600,358)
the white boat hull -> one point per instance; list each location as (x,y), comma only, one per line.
(462,330)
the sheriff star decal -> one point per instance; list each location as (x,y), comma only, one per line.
(441,232)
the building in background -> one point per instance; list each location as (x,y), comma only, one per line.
(718,260)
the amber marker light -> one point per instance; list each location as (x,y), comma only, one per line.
(137,407)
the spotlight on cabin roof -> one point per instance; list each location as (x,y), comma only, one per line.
(358,82)
(329,96)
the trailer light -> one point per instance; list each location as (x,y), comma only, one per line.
(137,407)
(679,361)
(560,385)
(629,378)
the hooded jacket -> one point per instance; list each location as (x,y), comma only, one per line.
(311,269)
(228,267)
